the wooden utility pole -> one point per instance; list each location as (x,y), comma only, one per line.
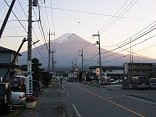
(98,42)
(49,51)
(29,84)
(29,87)
(82,58)
(7,17)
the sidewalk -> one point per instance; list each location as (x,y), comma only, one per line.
(53,102)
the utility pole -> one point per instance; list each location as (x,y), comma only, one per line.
(52,52)
(49,51)
(82,58)
(29,84)
(7,17)
(53,62)
(98,42)
(29,88)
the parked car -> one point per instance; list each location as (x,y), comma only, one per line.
(152,83)
(140,82)
(104,81)
(70,79)
(18,98)
(18,86)
(127,83)
(18,83)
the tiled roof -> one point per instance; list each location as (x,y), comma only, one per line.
(6,50)
(3,49)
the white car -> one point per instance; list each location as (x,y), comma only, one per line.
(18,98)
(152,83)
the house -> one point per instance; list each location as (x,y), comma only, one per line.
(115,72)
(140,69)
(6,57)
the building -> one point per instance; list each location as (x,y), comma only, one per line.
(6,57)
(114,72)
(140,69)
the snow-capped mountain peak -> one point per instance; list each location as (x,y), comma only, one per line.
(69,37)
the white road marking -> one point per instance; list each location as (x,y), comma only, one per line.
(77,112)
(140,100)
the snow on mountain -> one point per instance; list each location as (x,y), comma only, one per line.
(68,51)
(69,37)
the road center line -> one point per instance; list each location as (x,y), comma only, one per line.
(116,104)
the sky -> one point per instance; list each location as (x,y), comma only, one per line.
(116,20)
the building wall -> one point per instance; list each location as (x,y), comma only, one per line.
(139,69)
(114,71)
(7,58)
(2,71)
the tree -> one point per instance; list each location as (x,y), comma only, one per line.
(40,74)
(36,70)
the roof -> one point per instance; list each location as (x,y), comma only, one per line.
(6,50)
(106,67)
(3,49)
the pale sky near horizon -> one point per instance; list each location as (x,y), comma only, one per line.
(116,21)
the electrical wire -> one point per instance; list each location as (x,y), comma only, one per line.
(113,20)
(129,47)
(46,14)
(43,34)
(98,14)
(16,17)
(52,15)
(132,53)
(34,33)
(134,39)
(125,41)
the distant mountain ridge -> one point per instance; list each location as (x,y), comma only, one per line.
(68,52)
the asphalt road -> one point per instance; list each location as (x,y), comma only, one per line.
(91,101)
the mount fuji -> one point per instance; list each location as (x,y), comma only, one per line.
(68,51)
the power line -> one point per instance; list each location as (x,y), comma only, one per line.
(46,14)
(125,41)
(42,30)
(16,17)
(93,13)
(134,39)
(129,47)
(112,20)
(133,53)
(52,15)
(34,33)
